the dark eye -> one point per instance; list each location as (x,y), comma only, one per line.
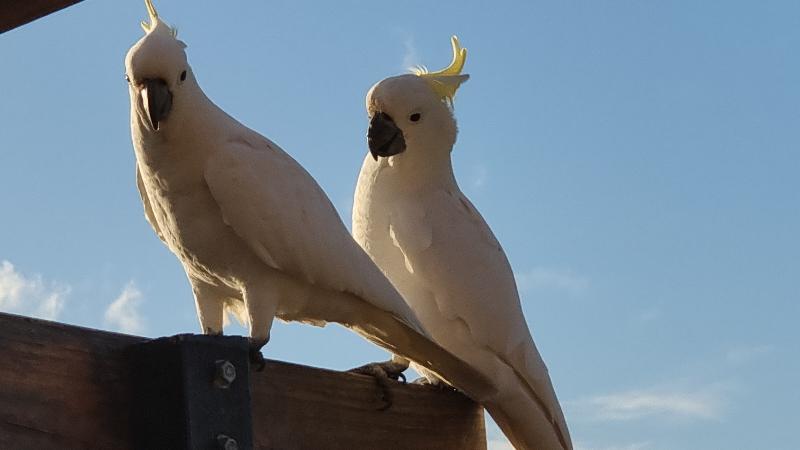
(127,78)
(415,117)
(183,75)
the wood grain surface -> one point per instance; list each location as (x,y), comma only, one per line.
(67,387)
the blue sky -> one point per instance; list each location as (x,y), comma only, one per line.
(638,160)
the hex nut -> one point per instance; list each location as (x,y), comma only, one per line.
(227,443)
(225,373)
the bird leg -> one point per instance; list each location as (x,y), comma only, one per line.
(261,303)
(210,307)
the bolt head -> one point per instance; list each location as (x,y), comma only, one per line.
(225,373)
(227,442)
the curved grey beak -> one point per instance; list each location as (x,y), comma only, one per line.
(157,101)
(384,136)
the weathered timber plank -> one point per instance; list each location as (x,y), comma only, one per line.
(323,409)
(66,387)
(61,386)
(15,13)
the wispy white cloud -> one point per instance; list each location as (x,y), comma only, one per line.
(50,308)
(700,403)
(747,353)
(550,278)
(30,295)
(123,313)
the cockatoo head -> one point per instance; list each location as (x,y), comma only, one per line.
(156,69)
(415,108)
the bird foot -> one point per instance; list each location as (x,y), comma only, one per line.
(382,372)
(257,360)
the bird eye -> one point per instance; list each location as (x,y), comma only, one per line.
(415,117)
(127,78)
(183,75)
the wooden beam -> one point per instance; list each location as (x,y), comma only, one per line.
(14,13)
(70,387)
(325,409)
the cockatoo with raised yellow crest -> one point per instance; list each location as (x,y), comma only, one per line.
(253,230)
(422,231)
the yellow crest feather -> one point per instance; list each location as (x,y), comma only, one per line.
(151,11)
(445,82)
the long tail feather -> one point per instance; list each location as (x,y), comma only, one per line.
(395,335)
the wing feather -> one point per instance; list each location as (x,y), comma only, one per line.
(148,208)
(472,281)
(281,212)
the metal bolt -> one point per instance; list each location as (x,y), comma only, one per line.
(227,442)
(225,373)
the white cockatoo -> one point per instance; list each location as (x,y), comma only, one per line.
(422,231)
(255,233)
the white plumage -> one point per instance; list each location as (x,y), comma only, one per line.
(253,230)
(427,237)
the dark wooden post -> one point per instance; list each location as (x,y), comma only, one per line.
(66,387)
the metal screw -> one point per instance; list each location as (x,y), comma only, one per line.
(227,442)
(225,373)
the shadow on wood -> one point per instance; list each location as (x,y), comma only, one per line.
(67,387)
